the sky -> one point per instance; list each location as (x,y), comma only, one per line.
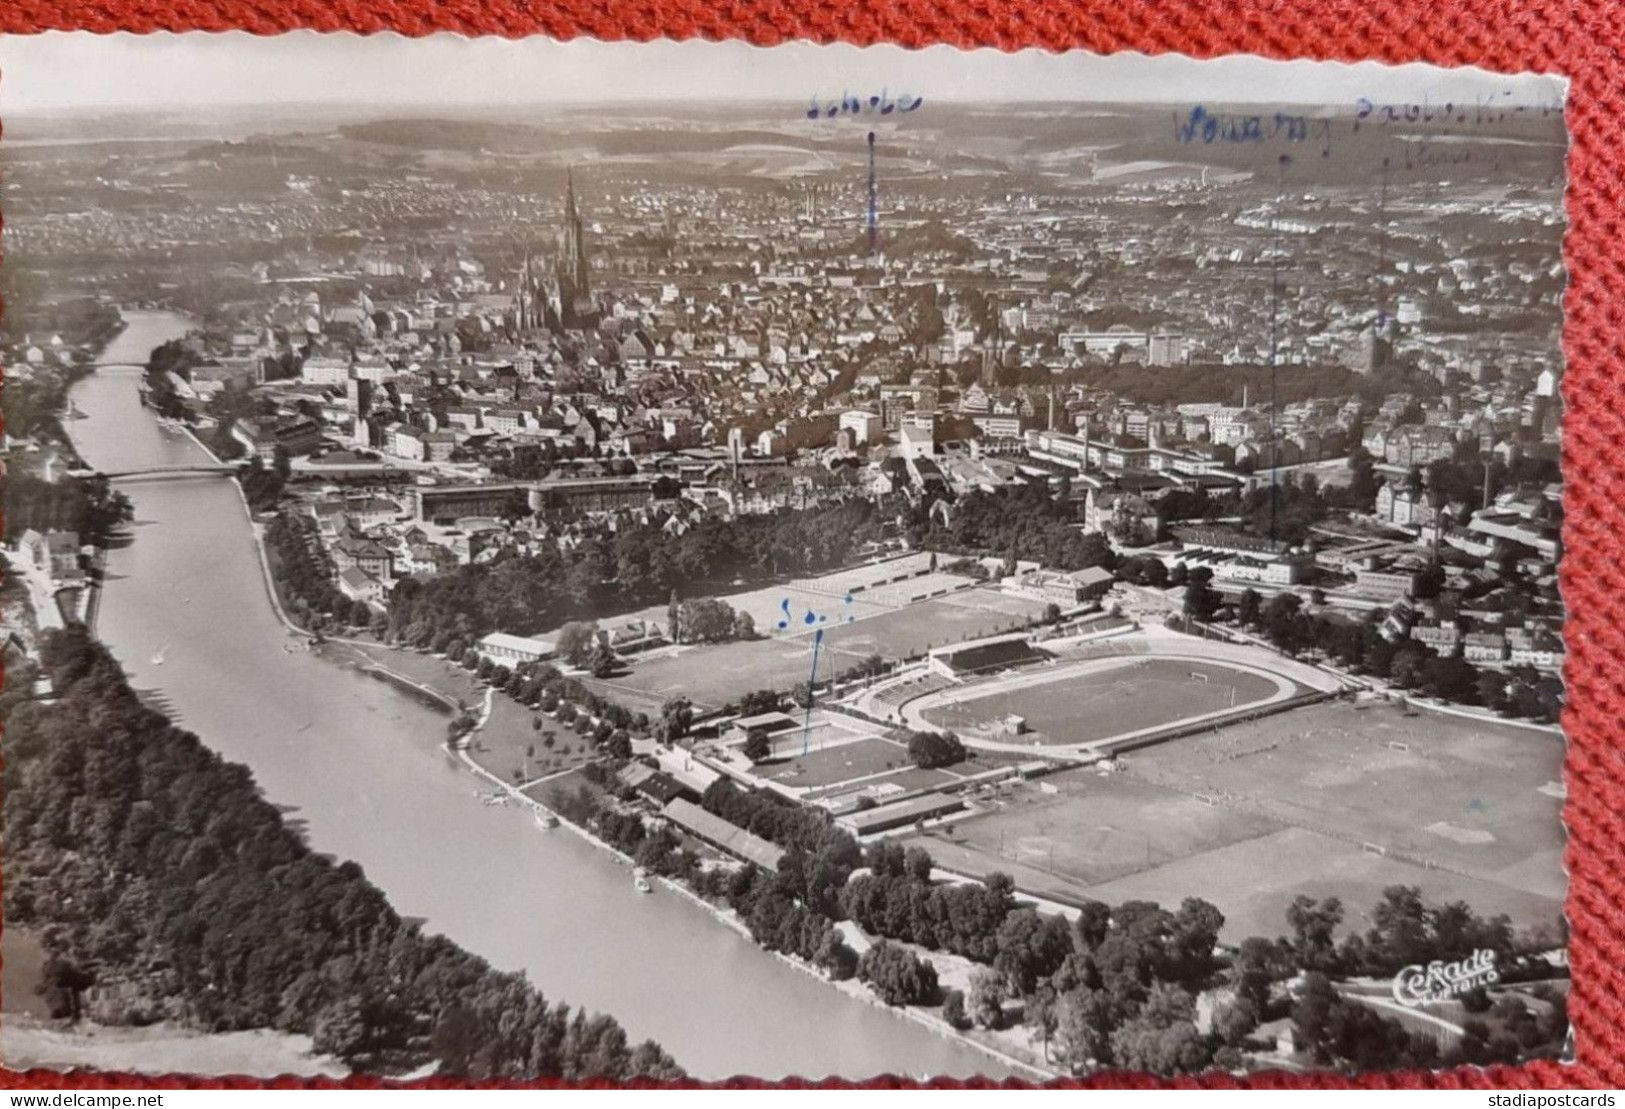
(66,70)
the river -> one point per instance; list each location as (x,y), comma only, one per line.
(360,766)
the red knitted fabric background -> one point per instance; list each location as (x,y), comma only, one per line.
(1582,39)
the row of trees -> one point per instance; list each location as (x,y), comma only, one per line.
(775,907)
(1119,985)
(165,886)
(1363,648)
(305,579)
(89,506)
(1404,930)
(898,900)
(540,685)
(1025,522)
(778,922)
(779,820)
(898,976)
(631,566)
(819,857)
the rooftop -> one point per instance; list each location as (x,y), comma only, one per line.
(730,837)
(987,656)
(517,642)
(773,721)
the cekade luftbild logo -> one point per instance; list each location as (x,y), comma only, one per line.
(1418,984)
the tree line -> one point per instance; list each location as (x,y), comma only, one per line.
(175,356)
(634,565)
(305,578)
(1024,522)
(1119,985)
(34,406)
(775,907)
(540,685)
(89,506)
(1362,646)
(165,886)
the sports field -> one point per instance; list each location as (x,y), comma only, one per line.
(1254,882)
(1313,800)
(1098,828)
(1109,697)
(829,765)
(1480,797)
(911,631)
(836,598)
(711,676)
(909,777)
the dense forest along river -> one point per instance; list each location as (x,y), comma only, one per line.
(361,766)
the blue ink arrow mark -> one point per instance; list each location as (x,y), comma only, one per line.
(806,724)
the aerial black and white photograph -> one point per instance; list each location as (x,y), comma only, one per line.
(674,560)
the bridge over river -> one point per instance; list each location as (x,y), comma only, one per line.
(185,470)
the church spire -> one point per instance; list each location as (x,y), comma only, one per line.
(574,274)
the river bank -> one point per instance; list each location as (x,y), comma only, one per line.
(68,452)
(518,798)
(728,918)
(362,771)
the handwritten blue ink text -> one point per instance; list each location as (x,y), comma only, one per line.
(1207,128)
(879,104)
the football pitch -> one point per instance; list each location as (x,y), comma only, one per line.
(1108,697)
(911,631)
(713,675)
(1331,799)
(835,763)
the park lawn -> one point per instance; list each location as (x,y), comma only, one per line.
(437,673)
(501,745)
(781,659)
(555,790)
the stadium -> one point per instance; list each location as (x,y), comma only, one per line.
(1093,697)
